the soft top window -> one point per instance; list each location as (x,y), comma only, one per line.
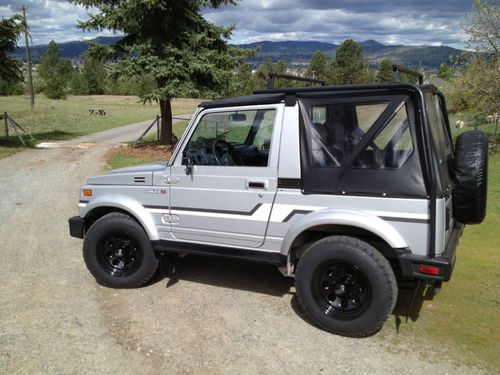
(360,145)
(335,129)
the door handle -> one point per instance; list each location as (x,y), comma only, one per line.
(256,184)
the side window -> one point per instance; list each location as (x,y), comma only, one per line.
(335,129)
(438,127)
(232,138)
(391,147)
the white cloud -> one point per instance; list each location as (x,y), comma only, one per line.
(424,22)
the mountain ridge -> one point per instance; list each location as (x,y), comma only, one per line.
(294,53)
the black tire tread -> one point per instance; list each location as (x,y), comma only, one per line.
(127,220)
(384,266)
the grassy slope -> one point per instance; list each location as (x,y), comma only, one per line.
(465,317)
(58,119)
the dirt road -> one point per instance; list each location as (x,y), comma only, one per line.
(209,317)
(117,135)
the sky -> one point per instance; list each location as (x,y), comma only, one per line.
(418,22)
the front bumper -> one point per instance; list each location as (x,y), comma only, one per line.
(76,226)
(410,264)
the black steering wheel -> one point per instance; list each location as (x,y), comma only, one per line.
(222,151)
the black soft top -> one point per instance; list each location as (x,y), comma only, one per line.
(271,96)
(245,100)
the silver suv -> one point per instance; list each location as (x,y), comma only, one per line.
(347,189)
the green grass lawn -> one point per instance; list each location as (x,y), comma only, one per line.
(465,316)
(121,160)
(177,129)
(60,119)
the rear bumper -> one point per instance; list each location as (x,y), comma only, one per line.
(76,226)
(410,264)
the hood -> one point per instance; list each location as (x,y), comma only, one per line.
(137,175)
(151,167)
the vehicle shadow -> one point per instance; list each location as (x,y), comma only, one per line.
(264,279)
(225,273)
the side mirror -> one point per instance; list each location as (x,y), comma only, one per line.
(189,163)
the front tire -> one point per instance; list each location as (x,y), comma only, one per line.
(118,253)
(346,286)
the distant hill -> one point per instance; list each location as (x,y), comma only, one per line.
(299,53)
(295,53)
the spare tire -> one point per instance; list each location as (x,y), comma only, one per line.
(470,171)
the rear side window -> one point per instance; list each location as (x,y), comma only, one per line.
(392,146)
(334,131)
(438,127)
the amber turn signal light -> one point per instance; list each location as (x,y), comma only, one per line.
(87,192)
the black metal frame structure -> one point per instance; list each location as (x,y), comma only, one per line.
(273,76)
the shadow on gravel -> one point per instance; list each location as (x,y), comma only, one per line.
(233,274)
(259,278)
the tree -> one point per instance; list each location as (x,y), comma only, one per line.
(94,75)
(478,87)
(484,28)
(261,76)
(170,40)
(50,71)
(10,68)
(385,71)
(318,67)
(445,72)
(243,82)
(349,66)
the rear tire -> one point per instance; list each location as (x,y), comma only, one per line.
(346,286)
(118,253)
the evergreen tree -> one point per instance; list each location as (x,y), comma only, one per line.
(261,77)
(318,67)
(349,66)
(385,71)
(10,68)
(243,83)
(51,69)
(94,75)
(186,54)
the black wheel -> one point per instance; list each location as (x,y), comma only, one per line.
(118,252)
(346,286)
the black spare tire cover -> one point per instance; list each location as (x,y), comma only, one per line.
(470,170)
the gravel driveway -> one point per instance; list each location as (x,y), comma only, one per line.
(209,317)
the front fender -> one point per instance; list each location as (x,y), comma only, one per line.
(368,222)
(127,204)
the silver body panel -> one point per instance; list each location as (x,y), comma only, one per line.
(216,205)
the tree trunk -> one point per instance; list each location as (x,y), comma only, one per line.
(166,122)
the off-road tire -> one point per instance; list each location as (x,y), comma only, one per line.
(367,264)
(118,225)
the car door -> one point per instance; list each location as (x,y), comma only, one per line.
(224,177)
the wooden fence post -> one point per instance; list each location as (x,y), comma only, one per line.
(6,126)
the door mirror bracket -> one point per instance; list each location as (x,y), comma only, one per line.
(189,163)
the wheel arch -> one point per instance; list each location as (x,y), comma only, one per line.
(317,225)
(101,206)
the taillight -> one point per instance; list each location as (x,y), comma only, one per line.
(429,270)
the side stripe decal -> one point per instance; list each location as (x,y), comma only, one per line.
(295,212)
(245,213)
(286,219)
